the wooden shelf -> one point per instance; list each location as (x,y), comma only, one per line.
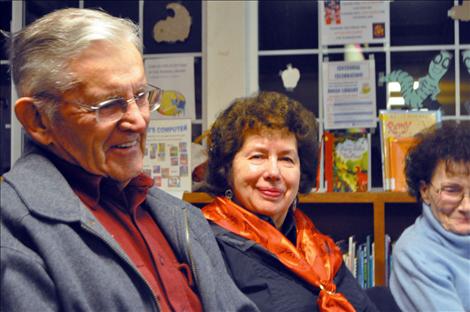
(377,199)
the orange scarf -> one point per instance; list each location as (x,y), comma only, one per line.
(316,258)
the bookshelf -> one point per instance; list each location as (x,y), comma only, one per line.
(378,200)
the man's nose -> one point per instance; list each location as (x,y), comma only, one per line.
(134,118)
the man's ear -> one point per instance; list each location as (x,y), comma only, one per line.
(423,190)
(34,122)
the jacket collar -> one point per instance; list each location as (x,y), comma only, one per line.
(46,194)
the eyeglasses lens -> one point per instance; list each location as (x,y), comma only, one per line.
(114,109)
(452,195)
(154,98)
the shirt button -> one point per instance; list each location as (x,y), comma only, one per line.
(162,261)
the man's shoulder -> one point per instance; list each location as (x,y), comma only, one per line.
(165,199)
(36,185)
(166,206)
(31,165)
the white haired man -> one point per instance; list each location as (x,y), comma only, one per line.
(82,228)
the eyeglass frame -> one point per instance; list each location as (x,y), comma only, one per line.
(97,107)
(462,195)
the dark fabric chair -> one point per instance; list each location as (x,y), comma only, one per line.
(383,299)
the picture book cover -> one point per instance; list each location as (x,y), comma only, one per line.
(401,124)
(398,149)
(346,161)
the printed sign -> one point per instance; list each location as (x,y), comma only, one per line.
(346,22)
(349,94)
(176,77)
(168,154)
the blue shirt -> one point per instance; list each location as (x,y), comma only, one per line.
(431,267)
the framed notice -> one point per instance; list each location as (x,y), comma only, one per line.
(168,155)
(345,21)
(349,94)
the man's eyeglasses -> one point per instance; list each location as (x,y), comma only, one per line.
(452,194)
(113,109)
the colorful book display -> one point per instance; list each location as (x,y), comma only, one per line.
(346,161)
(359,258)
(397,129)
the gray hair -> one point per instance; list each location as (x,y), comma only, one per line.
(40,53)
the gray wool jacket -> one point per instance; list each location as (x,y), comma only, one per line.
(56,256)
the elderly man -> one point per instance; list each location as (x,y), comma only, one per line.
(82,228)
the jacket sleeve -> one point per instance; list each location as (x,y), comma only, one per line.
(216,287)
(25,284)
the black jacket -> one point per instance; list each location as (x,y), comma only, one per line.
(272,286)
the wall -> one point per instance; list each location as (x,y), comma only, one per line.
(224,55)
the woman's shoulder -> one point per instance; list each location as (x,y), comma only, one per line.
(413,237)
(226,238)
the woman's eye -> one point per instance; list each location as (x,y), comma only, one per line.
(452,189)
(287,159)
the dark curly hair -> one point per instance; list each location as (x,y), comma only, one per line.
(266,110)
(448,141)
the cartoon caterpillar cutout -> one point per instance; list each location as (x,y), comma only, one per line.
(466,59)
(428,85)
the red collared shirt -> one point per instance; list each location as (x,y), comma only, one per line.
(131,225)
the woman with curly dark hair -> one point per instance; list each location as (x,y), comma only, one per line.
(431,259)
(262,152)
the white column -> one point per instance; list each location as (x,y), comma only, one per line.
(225,56)
(16,146)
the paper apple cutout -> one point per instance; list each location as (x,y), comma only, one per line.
(290,77)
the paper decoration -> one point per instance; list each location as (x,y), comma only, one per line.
(466,59)
(428,85)
(460,12)
(173,28)
(290,77)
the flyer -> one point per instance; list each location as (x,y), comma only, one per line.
(344,22)
(167,157)
(175,76)
(349,94)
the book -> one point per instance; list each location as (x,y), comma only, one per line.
(346,161)
(401,124)
(388,252)
(398,148)
(360,265)
(352,255)
(359,259)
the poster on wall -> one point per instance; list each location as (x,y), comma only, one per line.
(349,94)
(167,157)
(175,76)
(344,22)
